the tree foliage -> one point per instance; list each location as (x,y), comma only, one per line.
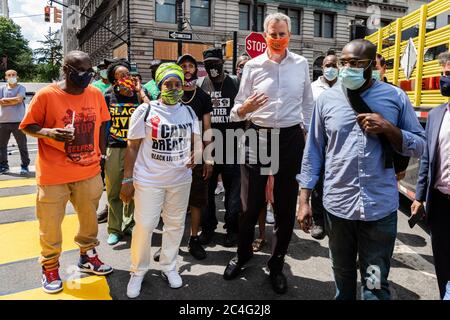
(16,50)
(49,58)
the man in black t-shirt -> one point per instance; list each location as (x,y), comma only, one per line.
(200,102)
(223,89)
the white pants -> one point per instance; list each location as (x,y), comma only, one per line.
(149,202)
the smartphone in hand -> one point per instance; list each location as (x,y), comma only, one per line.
(412,221)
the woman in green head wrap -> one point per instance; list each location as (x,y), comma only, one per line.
(170,78)
(158,175)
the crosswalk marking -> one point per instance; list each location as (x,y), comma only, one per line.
(17,183)
(89,288)
(17,202)
(20,240)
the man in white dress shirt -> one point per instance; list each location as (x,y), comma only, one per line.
(275,97)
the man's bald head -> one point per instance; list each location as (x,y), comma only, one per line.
(74,57)
(360,49)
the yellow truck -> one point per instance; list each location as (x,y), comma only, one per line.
(410,46)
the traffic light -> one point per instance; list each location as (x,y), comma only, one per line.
(57,15)
(47,13)
(229,49)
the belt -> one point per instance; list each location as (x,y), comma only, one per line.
(442,195)
(256,127)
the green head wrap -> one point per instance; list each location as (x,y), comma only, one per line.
(167,70)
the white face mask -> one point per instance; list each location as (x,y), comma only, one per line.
(12,80)
(330,73)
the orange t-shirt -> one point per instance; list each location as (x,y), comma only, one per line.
(66,162)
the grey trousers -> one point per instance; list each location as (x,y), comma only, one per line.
(5,133)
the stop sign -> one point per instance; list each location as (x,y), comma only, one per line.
(255,44)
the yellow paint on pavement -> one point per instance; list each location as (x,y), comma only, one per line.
(17,202)
(17,183)
(89,288)
(20,240)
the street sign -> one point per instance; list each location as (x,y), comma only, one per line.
(255,44)
(180,35)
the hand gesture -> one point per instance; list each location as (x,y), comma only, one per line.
(373,123)
(255,101)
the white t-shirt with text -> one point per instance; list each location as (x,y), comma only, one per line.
(166,146)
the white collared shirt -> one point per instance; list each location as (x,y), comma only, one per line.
(319,86)
(287,85)
(443,155)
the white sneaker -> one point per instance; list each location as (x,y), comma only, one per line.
(173,278)
(270,219)
(219,188)
(134,286)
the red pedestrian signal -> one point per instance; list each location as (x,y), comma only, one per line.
(47,13)
(57,15)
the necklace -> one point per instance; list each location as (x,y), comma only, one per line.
(192,98)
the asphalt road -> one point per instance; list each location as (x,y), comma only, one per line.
(308,266)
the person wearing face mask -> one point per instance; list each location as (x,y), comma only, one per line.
(103,83)
(360,193)
(151,86)
(69,119)
(433,184)
(323,83)
(12,111)
(275,96)
(124,96)
(379,71)
(223,89)
(158,174)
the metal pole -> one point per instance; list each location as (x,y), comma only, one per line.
(255,16)
(235,35)
(180,25)
(128,31)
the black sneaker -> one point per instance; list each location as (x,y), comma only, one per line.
(196,249)
(102,217)
(206,237)
(230,239)
(4,170)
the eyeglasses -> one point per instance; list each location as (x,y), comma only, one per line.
(90,71)
(355,63)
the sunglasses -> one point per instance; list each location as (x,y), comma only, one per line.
(90,71)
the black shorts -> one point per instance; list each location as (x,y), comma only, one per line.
(199,188)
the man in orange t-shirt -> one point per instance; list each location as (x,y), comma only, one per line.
(69,119)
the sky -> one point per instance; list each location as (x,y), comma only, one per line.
(33,28)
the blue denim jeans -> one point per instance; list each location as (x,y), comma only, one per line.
(373,242)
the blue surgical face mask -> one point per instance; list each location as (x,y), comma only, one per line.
(330,73)
(104,74)
(376,75)
(352,78)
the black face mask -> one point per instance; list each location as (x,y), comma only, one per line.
(81,79)
(445,86)
(214,70)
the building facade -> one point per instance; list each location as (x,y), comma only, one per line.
(317,26)
(4,10)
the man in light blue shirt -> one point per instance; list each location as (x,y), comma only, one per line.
(12,111)
(360,192)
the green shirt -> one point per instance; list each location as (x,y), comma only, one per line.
(152,89)
(99,84)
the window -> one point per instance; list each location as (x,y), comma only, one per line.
(244,16)
(200,13)
(166,12)
(295,19)
(328,26)
(260,19)
(317,24)
(323,25)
